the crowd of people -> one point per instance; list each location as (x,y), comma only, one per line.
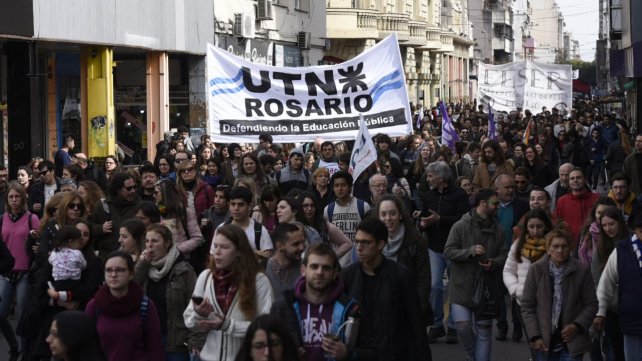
(276,252)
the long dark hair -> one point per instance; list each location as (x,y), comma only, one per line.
(296,207)
(406,219)
(269,192)
(174,201)
(77,331)
(318,222)
(606,244)
(271,325)
(532,214)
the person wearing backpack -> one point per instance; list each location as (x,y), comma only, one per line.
(126,319)
(346,211)
(240,206)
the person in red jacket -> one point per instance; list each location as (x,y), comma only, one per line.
(575,206)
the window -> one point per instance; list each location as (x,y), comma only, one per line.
(302,5)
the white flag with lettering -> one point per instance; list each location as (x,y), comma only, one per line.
(364,151)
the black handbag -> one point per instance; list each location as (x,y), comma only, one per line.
(486,305)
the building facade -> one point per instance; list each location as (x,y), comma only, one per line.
(433,36)
(107,73)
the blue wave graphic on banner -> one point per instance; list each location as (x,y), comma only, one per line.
(379,92)
(226,80)
(228,91)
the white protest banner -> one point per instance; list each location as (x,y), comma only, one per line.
(364,151)
(525,84)
(299,104)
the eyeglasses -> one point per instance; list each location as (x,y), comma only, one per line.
(116,270)
(43,171)
(130,188)
(187,170)
(78,206)
(4,175)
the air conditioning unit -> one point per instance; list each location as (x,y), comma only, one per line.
(264,10)
(303,40)
(243,26)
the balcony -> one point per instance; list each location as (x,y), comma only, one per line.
(502,44)
(417,33)
(348,23)
(393,23)
(433,37)
(447,45)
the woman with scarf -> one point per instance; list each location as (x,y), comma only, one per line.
(526,250)
(406,246)
(228,295)
(590,231)
(168,281)
(126,320)
(559,302)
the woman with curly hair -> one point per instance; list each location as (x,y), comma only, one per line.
(228,295)
(91,193)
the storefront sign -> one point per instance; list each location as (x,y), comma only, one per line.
(297,104)
(253,50)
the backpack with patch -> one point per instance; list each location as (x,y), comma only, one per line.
(258,230)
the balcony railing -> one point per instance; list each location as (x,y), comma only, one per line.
(349,23)
(417,30)
(393,23)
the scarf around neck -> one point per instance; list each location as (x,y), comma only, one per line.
(391,250)
(161,267)
(225,288)
(534,249)
(557,275)
(117,307)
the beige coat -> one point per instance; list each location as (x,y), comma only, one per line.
(579,304)
(482,178)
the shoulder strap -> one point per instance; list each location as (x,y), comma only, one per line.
(144,307)
(307,175)
(258,230)
(105,205)
(361,207)
(330,211)
(278,177)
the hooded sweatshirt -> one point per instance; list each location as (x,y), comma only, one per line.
(316,319)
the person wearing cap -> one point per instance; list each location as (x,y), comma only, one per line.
(41,192)
(62,156)
(90,171)
(293,175)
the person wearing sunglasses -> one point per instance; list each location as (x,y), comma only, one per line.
(108,215)
(41,192)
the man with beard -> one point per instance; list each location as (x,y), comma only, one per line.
(91,172)
(476,247)
(149,176)
(625,200)
(284,267)
(322,319)
(109,214)
(575,207)
(493,165)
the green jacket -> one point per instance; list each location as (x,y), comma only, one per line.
(469,231)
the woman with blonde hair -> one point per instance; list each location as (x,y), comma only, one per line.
(320,189)
(228,295)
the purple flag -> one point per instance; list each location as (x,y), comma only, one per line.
(449,135)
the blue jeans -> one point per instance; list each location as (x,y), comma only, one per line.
(7,292)
(438,265)
(632,348)
(477,343)
(557,356)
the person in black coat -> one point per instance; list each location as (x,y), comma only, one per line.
(389,300)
